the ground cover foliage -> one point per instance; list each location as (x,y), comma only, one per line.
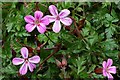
(76,52)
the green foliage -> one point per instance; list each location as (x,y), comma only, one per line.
(98,39)
(78,68)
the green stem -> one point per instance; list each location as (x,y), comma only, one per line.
(64,73)
(84,11)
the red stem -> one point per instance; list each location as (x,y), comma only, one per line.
(58,46)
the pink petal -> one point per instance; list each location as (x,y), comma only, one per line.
(51,18)
(66,21)
(45,20)
(64,13)
(104,72)
(112,69)
(109,62)
(31,66)
(110,77)
(41,28)
(30,27)
(56,26)
(53,10)
(24,52)
(104,64)
(34,59)
(29,19)
(38,15)
(23,69)
(17,61)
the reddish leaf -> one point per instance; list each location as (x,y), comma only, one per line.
(98,70)
(13,53)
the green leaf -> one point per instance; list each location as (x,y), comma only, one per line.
(1,77)
(109,44)
(9,26)
(8,70)
(79,9)
(51,60)
(110,31)
(42,37)
(115,20)
(109,17)
(91,69)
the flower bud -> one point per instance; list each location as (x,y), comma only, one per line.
(58,63)
(64,61)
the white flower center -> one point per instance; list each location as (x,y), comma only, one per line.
(107,70)
(36,22)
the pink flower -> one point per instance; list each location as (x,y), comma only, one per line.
(36,21)
(108,69)
(27,62)
(61,17)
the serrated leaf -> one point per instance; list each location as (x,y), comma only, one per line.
(9,26)
(91,68)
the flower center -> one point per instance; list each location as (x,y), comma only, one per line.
(26,60)
(107,69)
(36,22)
(57,18)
